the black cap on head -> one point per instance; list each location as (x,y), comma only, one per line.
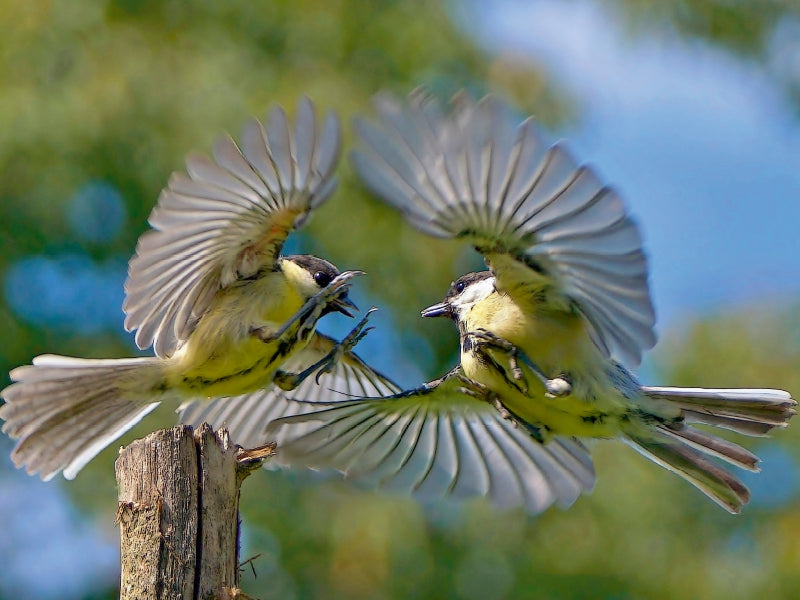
(444,308)
(463,282)
(321,270)
(323,273)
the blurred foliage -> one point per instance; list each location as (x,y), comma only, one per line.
(765,32)
(739,25)
(117,92)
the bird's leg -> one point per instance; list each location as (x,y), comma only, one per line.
(536,432)
(289,381)
(478,390)
(301,324)
(485,339)
(556,387)
(472,388)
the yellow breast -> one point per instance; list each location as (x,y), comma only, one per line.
(222,357)
(558,343)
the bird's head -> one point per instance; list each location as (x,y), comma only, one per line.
(310,274)
(463,294)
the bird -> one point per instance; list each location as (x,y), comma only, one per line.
(231,321)
(548,334)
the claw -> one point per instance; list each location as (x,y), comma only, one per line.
(350,341)
(504,412)
(554,388)
(490,339)
(306,318)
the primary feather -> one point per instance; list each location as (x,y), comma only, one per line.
(226,219)
(438,440)
(469,174)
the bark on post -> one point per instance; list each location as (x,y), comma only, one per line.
(179,514)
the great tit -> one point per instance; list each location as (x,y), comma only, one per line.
(227,316)
(545,333)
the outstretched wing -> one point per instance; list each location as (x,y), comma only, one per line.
(226,219)
(471,174)
(246,417)
(437,441)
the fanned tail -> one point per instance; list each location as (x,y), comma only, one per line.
(688,452)
(63,411)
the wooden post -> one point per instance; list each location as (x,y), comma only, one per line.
(179,514)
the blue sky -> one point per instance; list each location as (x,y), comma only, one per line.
(704,147)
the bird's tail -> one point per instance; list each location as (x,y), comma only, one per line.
(63,411)
(689,452)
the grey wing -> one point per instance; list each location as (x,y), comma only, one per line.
(471,174)
(438,441)
(247,416)
(226,218)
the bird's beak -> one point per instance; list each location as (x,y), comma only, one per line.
(344,305)
(438,310)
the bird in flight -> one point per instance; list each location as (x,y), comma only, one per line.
(228,317)
(547,334)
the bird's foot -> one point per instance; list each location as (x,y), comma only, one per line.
(289,381)
(301,325)
(557,387)
(327,364)
(488,339)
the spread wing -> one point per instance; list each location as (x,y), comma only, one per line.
(226,218)
(438,441)
(471,174)
(247,416)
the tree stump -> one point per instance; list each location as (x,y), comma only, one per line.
(179,514)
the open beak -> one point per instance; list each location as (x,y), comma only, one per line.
(438,310)
(344,305)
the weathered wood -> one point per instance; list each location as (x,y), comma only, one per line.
(179,514)
(219,514)
(158,516)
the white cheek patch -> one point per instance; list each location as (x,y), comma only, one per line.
(474,294)
(300,278)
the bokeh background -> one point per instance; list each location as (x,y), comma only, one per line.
(691,108)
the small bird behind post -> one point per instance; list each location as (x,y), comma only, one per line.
(545,334)
(227,315)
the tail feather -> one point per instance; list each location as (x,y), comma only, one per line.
(695,467)
(747,411)
(64,411)
(714,446)
(689,452)
(739,425)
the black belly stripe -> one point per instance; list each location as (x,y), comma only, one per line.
(284,347)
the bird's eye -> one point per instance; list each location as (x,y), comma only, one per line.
(460,287)
(322,279)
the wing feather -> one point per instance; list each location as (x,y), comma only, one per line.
(469,174)
(436,441)
(246,416)
(226,218)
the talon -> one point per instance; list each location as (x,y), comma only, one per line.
(358,332)
(517,374)
(504,412)
(327,364)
